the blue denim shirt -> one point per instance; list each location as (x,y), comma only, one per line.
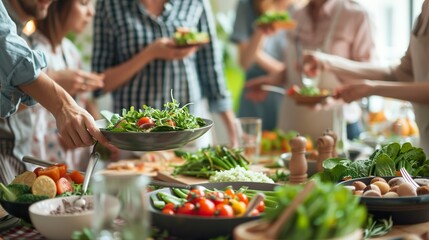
(18,65)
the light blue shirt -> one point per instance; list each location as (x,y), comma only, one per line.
(18,65)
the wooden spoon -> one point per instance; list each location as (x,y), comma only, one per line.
(261,229)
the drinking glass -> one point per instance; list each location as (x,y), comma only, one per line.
(120,206)
(249,137)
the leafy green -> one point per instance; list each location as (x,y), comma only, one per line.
(163,119)
(190,36)
(30,198)
(314,218)
(309,91)
(377,228)
(7,195)
(269,17)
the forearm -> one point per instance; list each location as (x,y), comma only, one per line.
(413,92)
(268,63)
(42,85)
(248,50)
(351,69)
(120,74)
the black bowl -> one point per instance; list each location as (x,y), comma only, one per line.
(403,210)
(152,141)
(195,227)
(16,209)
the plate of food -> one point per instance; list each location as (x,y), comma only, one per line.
(220,208)
(276,20)
(308,95)
(150,129)
(186,37)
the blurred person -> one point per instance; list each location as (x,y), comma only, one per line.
(142,65)
(260,53)
(23,82)
(64,66)
(406,81)
(339,27)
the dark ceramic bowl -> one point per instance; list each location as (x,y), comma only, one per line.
(18,210)
(403,210)
(152,141)
(195,227)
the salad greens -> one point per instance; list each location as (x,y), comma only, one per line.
(385,161)
(185,36)
(329,211)
(171,118)
(269,17)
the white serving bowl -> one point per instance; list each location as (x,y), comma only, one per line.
(59,226)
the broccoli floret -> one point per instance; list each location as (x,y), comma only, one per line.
(30,198)
(18,189)
(7,194)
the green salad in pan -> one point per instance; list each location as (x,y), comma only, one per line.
(270,17)
(185,36)
(148,119)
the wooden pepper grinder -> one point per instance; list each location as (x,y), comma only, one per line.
(298,162)
(334,147)
(325,147)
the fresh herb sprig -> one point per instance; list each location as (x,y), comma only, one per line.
(377,228)
(171,118)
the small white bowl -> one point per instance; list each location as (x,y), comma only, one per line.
(59,226)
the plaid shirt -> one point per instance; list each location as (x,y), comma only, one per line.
(122,28)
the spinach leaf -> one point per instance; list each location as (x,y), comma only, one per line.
(384,165)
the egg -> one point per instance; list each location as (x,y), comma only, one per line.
(390,195)
(422,181)
(359,185)
(423,190)
(372,187)
(384,187)
(376,179)
(371,193)
(406,189)
(396,181)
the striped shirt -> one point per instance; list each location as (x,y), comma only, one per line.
(122,28)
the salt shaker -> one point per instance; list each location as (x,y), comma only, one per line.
(334,146)
(120,206)
(325,147)
(298,162)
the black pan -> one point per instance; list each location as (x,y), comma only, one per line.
(403,210)
(195,227)
(16,209)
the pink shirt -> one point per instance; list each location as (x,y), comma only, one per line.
(352,36)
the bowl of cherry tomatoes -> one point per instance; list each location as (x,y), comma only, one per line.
(207,210)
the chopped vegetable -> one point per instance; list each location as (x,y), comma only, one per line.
(239,174)
(270,16)
(186,36)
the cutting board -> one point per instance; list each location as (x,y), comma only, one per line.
(168,177)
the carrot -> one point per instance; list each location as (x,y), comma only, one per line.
(76,177)
(52,172)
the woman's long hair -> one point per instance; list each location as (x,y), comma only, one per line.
(52,27)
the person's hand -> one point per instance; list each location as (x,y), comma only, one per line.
(77,81)
(77,128)
(253,87)
(355,91)
(165,48)
(311,65)
(266,29)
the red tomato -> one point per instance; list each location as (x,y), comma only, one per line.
(52,172)
(224,210)
(293,90)
(261,207)
(76,177)
(168,211)
(144,120)
(195,194)
(205,207)
(242,198)
(216,197)
(170,206)
(187,209)
(36,170)
(62,168)
(63,185)
(230,192)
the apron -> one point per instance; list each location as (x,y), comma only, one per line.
(301,118)
(419,47)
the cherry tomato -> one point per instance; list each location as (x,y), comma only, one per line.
(261,207)
(168,211)
(170,206)
(230,192)
(76,177)
(293,90)
(238,207)
(254,212)
(36,170)
(195,194)
(216,197)
(205,207)
(63,185)
(187,209)
(62,168)
(144,120)
(242,198)
(224,210)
